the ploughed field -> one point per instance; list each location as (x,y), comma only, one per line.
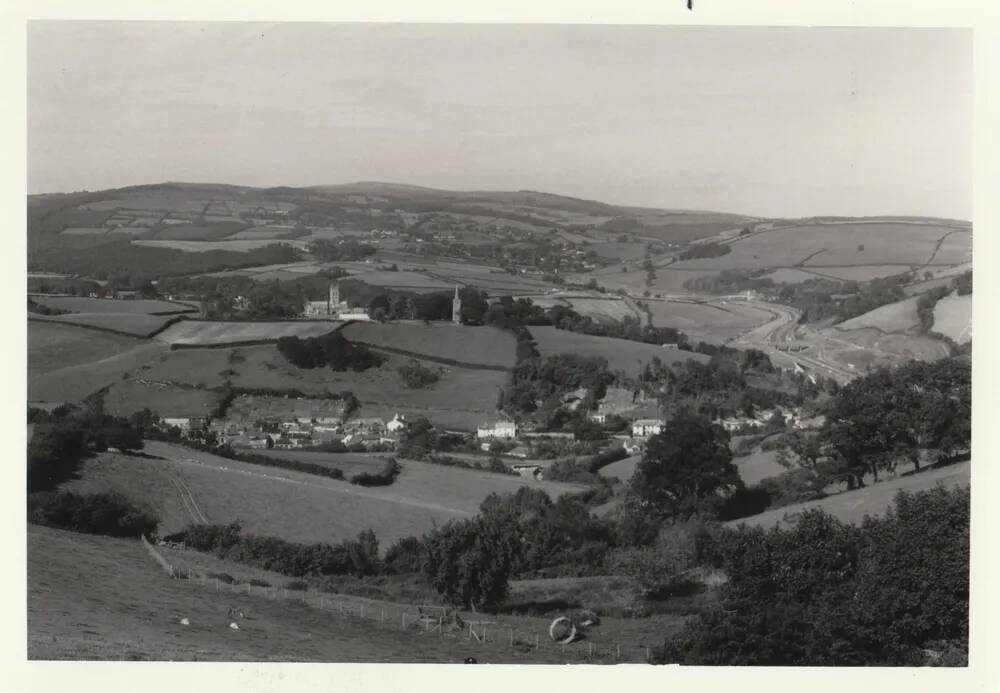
(293,505)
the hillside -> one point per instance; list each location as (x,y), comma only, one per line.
(423,496)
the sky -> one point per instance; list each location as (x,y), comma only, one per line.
(761,121)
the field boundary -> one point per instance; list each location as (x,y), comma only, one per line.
(436,359)
(150,335)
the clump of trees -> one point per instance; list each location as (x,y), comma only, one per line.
(417,376)
(917,412)
(346,249)
(382,477)
(355,557)
(892,591)
(705,250)
(96,513)
(333,350)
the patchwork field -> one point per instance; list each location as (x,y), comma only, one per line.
(325,509)
(621,354)
(82,304)
(953,317)
(482,346)
(852,506)
(135,324)
(204,333)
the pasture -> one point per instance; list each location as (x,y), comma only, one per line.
(480,346)
(460,399)
(208,368)
(592,304)
(714,322)
(53,346)
(900,316)
(858,273)
(100,598)
(82,304)
(621,354)
(860,348)
(242,246)
(758,465)
(852,506)
(205,333)
(135,324)
(622,469)
(127,396)
(303,507)
(92,361)
(953,317)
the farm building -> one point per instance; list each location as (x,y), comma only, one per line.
(643,428)
(186,423)
(497,429)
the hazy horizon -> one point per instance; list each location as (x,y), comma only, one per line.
(766,122)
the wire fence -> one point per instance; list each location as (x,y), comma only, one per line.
(488,632)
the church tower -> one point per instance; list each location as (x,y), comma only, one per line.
(456,308)
(333,303)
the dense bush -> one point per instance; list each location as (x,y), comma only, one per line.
(705,250)
(383,477)
(293,465)
(416,377)
(333,350)
(827,593)
(406,555)
(357,557)
(97,513)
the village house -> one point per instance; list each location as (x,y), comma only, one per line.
(397,424)
(643,428)
(497,429)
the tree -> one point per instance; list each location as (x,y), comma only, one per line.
(470,562)
(687,468)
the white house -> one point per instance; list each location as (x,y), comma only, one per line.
(497,429)
(397,424)
(642,428)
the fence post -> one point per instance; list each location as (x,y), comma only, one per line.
(647,654)
(511,637)
(362,609)
(404,620)
(618,651)
(536,642)
(216,584)
(590,650)
(381,618)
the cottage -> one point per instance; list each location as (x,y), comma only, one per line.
(397,424)
(497,429)
(643,428)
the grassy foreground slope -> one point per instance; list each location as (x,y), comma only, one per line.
(92,597)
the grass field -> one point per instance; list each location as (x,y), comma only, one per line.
(81,304)
(127,396)
(852,506)
(710,322)
(135,324)
(858,349)
(302,507)
(622,469)
(759,465)
(205,333)
(900,316)
(54,346)
(194,367)
(100,598)
(621,354)
(242,246)
(859,273)
(483,346)
(67,363)
(953,317)
(591,304)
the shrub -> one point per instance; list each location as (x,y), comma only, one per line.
(384,477)
(407,555)
(416,377)
(97,513)
(297,585)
